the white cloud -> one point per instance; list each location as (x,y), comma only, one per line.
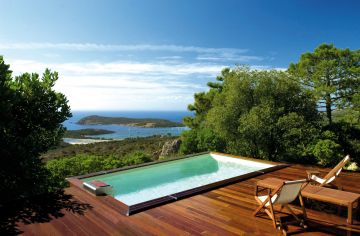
(235,58)
(125,85)
(121,67)
(265,67)
(170,57)
(117,47)
(168,82)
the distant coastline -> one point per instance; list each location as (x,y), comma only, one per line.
(84,141)
(136,122)
(119,132)
(85,133)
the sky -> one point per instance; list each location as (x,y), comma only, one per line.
(155,54)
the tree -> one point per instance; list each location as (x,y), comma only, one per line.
(332,73)
(31,120)
(264,114)
(196,139)
(203,101)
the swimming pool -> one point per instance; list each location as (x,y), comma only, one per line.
(142,187)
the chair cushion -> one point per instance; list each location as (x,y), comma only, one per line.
(317,179)
(264,197)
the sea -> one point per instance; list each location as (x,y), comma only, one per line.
(122,131)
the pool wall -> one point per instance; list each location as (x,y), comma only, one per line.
(128,210)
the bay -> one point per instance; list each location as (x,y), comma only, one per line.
(122,131)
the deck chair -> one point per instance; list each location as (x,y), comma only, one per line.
(283,195)
(330,177)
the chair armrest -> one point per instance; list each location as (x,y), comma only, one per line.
(311,172)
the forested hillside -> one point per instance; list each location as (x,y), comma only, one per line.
(307,114)
(117,148)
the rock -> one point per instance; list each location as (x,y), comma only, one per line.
(170,147)
(156,154)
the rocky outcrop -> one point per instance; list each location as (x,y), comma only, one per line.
(170,147)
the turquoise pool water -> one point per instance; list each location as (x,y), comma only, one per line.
(147,183)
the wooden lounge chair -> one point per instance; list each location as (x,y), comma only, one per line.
(330,177)
(283,195)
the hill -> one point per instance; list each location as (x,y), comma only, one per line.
(144,122)
(118,148)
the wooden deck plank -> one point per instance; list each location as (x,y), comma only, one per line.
(223,211)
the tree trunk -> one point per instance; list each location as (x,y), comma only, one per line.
(328,108)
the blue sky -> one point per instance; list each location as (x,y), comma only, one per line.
(154,55)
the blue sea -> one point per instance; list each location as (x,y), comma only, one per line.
(122,131)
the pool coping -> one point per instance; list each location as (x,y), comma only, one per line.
(129,210)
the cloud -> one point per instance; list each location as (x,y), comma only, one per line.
(119,67)
(266,67)
(116,47)
(211,54)
(170,58)
(167,81)
(125,84)
(234,58)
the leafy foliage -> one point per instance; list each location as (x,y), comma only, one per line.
(72,160)
(84,164)
(264,114)
(150,145)
(345,139)
(333,74)
(275,115)
(30,123)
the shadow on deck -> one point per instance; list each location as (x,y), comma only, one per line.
(38,209)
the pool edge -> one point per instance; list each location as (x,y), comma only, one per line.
(132,209)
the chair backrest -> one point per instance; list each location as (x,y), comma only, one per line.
(289,191)
(336,170)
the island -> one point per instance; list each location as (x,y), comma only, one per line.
(84,133)
(143,122)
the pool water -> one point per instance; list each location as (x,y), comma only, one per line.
(154,181)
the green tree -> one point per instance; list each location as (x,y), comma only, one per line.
(195,140)
(264,114)
(332,73)
(259,113)
(31,119)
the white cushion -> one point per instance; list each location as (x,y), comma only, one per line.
(317,179)
(263,198)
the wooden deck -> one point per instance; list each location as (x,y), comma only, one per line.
(224,211)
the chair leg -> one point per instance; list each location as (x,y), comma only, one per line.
(302,206)
(262,205)
(257,210)
(272,214)
(357,210)
(349,218)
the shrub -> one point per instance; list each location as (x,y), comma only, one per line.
(327,152)
(85,164)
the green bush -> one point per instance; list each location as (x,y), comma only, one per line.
(200,141)
(345,140)
(136,158)
(85,164)
(327,152)
(116,148)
